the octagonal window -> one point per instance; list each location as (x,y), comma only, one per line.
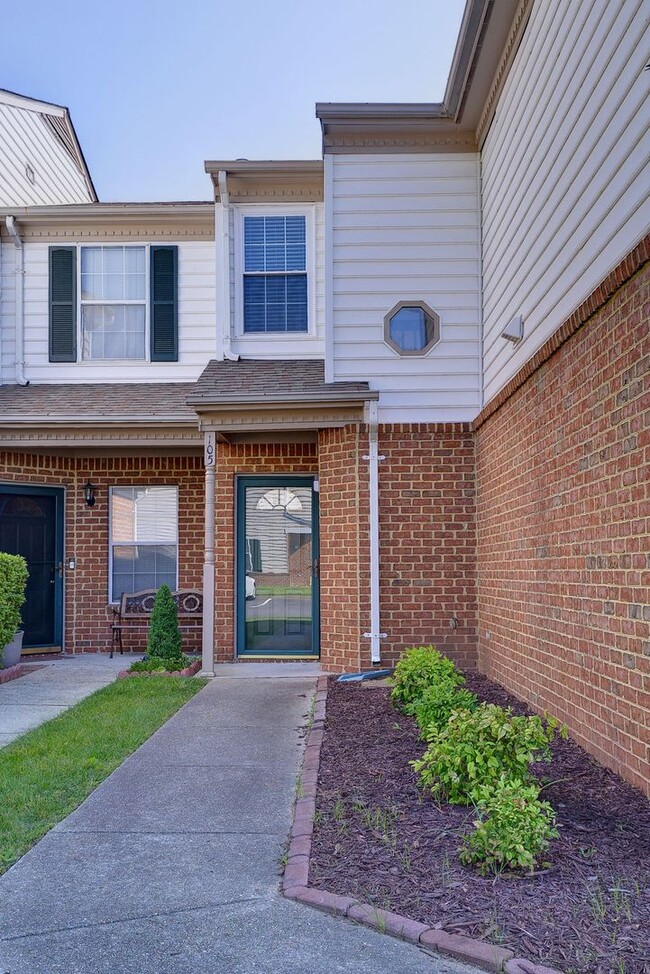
(411,328)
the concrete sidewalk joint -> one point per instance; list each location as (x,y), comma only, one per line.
(295,882)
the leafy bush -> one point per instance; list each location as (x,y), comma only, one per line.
(513,828)
(164,638)
(437,703)
(420,668)
(476,748)
(13,581)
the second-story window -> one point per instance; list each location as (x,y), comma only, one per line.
(275,274)
(113,300)
(113,303)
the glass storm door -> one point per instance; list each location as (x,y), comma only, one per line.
(31,525)
(277,567)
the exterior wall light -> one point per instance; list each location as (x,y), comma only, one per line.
(89,494)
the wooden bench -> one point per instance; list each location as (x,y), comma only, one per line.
(134,613)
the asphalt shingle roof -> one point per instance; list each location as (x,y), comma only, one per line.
(89,400)
(254,380)
(245,381)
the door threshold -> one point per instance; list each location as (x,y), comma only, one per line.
(41,650)
(277,658)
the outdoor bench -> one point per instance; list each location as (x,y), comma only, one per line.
(133,613)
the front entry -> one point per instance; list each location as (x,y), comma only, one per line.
(277,567)
(31,525)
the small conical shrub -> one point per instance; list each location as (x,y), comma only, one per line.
(164,639)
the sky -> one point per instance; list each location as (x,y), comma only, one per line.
(155,87)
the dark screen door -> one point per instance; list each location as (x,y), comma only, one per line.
(31,526)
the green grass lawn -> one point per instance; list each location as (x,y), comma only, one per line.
(47,773)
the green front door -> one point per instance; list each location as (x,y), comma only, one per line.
(277,567)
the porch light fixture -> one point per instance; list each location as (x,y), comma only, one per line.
(89,494)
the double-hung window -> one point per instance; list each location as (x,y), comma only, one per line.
(143,539)
(275,287)
(113,301)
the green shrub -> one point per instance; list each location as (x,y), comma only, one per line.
(420,668)
(437,703)
(476,748)
(513,828)
(13,581)
(164,639)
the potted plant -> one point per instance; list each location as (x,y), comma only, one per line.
(13,581)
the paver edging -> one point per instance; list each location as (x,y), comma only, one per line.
(191,670)
(295,881)
(11,673)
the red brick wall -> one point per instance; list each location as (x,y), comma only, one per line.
(87,616)
(427,529)
(427,542)
(252,459)
(343,549)
(563,477)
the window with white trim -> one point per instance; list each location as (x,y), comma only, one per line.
(143,539)
(275,255)
(113,302)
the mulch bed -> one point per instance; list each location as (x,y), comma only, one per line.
(378,838)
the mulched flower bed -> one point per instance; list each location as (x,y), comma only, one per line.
(378,838)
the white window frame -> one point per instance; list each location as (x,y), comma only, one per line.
(112,544)
(147,302)
(275,209)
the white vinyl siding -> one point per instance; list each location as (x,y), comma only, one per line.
(565,170)
(406,228)
(26,140)
(196,321)
(7,311)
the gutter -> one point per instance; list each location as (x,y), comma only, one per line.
(50,419)
(12,230)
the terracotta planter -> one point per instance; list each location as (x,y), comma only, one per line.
(11,652)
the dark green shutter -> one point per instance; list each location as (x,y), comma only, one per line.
(164,304)
(63,304)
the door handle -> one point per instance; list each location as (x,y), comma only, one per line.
(316,567)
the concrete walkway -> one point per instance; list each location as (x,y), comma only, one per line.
(63,681)
(171,865)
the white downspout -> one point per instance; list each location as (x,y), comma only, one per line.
(373,458)
(20,301)
(207,641)
(223,231)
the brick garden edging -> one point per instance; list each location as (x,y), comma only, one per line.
(11,673)
(186,671)
(295,882)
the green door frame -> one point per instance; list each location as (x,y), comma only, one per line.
(274,480)
(58,494)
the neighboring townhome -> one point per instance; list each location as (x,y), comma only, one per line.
(41,160)
(391,397)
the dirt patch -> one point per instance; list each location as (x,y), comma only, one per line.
(378,838)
